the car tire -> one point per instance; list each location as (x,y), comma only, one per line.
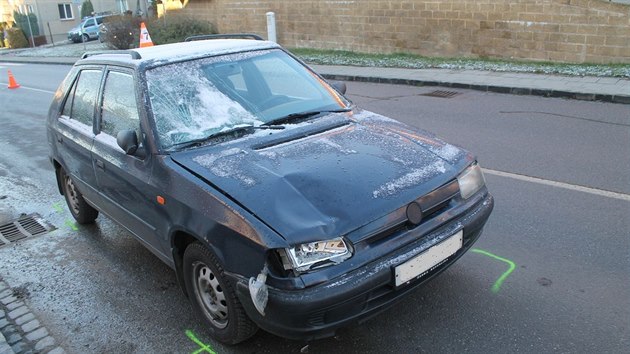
(86,37)
(213,298)
(82,212)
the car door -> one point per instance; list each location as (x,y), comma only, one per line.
(74,130)
(92,28)
(123,180)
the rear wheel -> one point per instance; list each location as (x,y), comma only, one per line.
(82,212)
(213,298)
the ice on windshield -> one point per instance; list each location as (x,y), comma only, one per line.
(197,98)
(187,105)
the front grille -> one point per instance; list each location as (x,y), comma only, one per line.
(433,204)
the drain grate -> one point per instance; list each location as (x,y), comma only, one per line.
(25,226)
(441,94)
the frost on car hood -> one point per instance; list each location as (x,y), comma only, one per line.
(332,182)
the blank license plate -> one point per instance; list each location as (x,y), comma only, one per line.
(424,262)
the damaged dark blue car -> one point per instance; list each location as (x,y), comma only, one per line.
(278,203)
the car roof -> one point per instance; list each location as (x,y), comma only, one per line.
(163,54)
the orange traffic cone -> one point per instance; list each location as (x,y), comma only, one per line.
(145,38)
(12,83)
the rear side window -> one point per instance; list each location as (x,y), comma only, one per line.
(82,99)
(120,111)
(89,23)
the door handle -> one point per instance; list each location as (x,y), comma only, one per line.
(100,165)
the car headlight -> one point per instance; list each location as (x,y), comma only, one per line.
(470,181)
(315,254)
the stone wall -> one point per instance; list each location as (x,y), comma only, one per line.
(578,31)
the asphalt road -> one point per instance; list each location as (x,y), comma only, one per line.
(560,173)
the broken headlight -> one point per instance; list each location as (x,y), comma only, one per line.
(315,254)
(470,181)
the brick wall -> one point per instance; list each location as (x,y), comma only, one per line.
(552,30)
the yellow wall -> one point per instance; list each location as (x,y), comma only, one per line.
(546,30)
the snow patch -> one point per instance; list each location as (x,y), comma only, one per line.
(224,164)
(335,146)
(407,180)
(447,152)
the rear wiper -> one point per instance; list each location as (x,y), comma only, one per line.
(302,115)
(240,129)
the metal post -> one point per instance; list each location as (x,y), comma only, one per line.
(51,36)
(271,27)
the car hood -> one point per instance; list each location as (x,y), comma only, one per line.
(325,178)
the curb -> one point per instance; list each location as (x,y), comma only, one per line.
(20,331)
(4,346)
(486,88)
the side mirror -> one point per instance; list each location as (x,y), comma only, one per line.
(340,86)
(128,141)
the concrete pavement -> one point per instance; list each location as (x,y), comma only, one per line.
(609,89)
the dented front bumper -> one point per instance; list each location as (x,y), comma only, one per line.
(318,311)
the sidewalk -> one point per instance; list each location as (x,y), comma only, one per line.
(20,331)
(608,89)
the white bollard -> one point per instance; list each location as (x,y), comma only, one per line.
(271,27)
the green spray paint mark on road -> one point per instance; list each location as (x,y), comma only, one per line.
(69,223)
(203,348)
(72,225)
(497,284)
(58,207)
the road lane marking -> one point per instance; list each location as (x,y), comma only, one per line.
(202,347)
(573,187)
(29,88)
(497,284)
(10,64)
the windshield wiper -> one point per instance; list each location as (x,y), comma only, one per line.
(245,129)
(302,115)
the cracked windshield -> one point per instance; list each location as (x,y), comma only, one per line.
(199,99)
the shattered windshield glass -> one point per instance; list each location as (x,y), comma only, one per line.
(196,99)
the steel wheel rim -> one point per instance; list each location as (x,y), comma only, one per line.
(210,295)
(72,194)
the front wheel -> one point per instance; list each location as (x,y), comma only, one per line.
(213,298)
(82,212)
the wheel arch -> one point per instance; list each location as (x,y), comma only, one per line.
(180,240)
(58,172)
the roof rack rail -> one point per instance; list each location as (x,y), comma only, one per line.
(132,53)
(225,36)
